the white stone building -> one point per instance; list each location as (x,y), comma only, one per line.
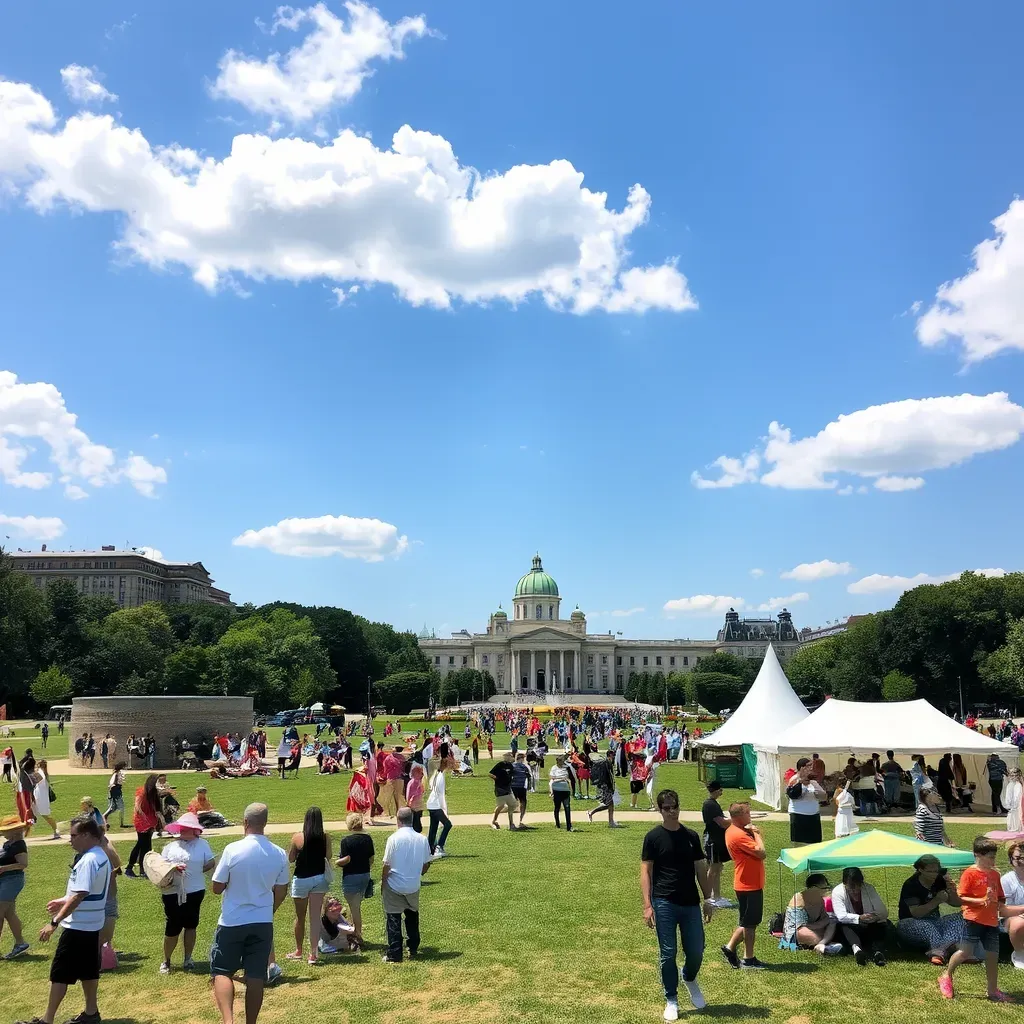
(536,651)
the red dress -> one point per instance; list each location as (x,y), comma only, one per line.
(359,794)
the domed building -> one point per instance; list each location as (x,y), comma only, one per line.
(535,653)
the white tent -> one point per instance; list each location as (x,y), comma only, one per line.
(768,710)
(840,729)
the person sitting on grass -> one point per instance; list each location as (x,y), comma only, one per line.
(861,915)
(336,933)
(808,923)
(921,923)
(201,807)
(981,892)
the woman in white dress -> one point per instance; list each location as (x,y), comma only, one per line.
(845,822)
(41,798)
(1011,800)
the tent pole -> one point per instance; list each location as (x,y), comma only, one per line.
(780,886)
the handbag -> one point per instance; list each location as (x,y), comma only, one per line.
(369,889)
(53,796)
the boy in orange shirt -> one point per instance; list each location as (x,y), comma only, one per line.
(983,900)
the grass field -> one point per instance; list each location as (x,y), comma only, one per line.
(534,927)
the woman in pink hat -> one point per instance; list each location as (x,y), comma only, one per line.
(194,858)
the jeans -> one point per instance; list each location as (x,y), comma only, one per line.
(997,789)
(667,918)
(561,798)
(892,790)
(143,844)
(438,817)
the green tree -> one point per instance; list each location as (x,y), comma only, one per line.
(66,641)
(307,688)
(186,670)
(810,670)
(728,664)
(717,691)
(679,688)
(51,686)
(201,625)
(632,685)
(403,692)
(24,622)
(897,686)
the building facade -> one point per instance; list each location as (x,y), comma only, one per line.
(129,577)
(536,651)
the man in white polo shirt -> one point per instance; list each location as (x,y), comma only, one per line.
(406,860)
(79,917)
(252,876)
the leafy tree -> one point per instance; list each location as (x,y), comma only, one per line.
(186,670)
(632,685)
(200,624)
(307,688)
(489,686)
(716,690)
(810,669)
(656,689)
(24,623)
(66,641)
(51,686)
(897,686)
(679,688)
(404,692)
(406,659)
(730,665)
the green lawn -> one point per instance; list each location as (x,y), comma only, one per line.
(26,736)
(288,799)
(530,927)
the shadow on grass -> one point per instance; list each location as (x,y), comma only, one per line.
(432,955)
(792,968)
(738,1011)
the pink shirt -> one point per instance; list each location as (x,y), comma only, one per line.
(414,792)
(394,767)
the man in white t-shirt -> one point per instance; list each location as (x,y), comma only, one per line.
(252,876)
(79,917)
(406,860)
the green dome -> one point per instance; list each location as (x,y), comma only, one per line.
(536,583)
(500,614)
(577,614)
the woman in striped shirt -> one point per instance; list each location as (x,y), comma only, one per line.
(928,824)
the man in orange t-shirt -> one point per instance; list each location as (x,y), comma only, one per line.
(981,894)
(746,847)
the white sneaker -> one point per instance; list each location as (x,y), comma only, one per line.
(439,853)
(165,967)
(1017,959)
(696,996)
(671,1010)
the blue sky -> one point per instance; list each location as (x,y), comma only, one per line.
(443,332)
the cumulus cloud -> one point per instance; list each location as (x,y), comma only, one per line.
(702,604)
(816,570)
(326,69)
(368,539)
(984,309)
(882,442)
(33,527)
(37,412)
(877,583)
(618,613)
(83,87)
(155,553)
(757,573)
(411,216)
(773,604)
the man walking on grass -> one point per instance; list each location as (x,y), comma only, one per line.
(252,876)
(672,866)
(504,800)
(407,859)
(79,918)
(602,778)
(746,847)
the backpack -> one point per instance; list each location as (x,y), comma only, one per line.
(159,871)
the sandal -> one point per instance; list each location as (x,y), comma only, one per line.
(1001,997)
(296,955)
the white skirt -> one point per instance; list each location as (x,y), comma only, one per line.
(41,798)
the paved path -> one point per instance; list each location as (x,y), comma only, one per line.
(532,818)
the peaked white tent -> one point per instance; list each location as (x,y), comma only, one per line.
(840,729)
(766,712)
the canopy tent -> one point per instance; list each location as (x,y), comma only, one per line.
(770,707)
(874,848)
(840,729)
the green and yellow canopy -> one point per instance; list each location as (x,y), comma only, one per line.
(874,848)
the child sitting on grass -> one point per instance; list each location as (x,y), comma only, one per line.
(335,931)
(981,893)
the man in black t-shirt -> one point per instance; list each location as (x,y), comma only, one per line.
(715,850)
(504,800)
(673,880)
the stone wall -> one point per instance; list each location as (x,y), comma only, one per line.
(193,718)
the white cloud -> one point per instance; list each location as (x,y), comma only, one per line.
(845,491)
(773,604)
(82,86)
(757,573)
(33,527)
(899,483)
(816,570)
(877,583)
(882,442)
(155,553)
(75,493)
(619,613)
(368,539)
(984,309)
(327,69)
(410,216)
(702,604)
(37,411)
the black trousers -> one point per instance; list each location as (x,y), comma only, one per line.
(143,844)
(417,821)
(394,929)
(868,936)
(561,798)
(997,789)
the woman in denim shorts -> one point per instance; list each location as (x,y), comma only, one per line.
(355,858)
(310,851)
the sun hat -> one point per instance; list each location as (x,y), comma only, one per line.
(187,820)
(11,823)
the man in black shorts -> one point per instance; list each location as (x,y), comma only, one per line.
(79,918)
(715,850)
